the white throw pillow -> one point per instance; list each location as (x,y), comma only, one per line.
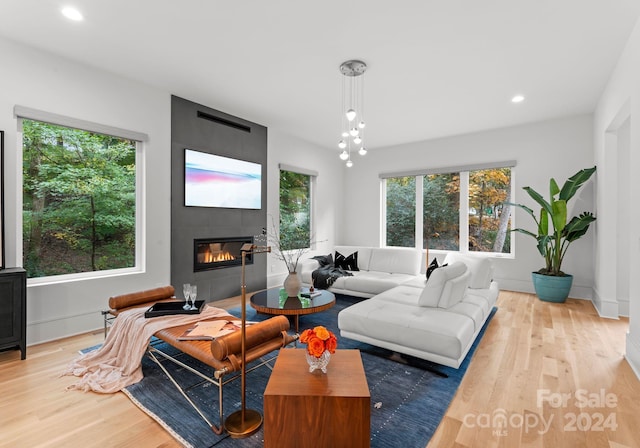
(481,269)
(433,290)
(454,290)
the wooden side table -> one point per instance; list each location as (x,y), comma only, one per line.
(303,409)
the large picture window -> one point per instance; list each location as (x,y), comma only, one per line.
(295,210)
(79,200)
(462,210)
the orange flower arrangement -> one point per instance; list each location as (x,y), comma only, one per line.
(319,340)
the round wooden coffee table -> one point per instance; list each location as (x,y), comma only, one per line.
(275,301)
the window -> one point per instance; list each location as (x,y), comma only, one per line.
(295,210)
(441,216)
(79,200)
(462,210)
(489,218)
(401,211)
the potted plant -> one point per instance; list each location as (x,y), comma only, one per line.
(555,232)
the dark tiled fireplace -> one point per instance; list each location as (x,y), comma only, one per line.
(217,253)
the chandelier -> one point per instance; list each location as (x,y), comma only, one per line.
(352,109)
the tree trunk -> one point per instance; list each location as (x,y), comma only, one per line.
(503,226)
(93,235)
(34,250)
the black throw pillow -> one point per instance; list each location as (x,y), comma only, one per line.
(324,260)
(432,267)
(349,263)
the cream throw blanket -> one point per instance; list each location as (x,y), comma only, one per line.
(118,363)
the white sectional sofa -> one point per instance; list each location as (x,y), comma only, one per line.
(437,320)
(380,269)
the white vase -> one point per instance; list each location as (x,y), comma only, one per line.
(292,284)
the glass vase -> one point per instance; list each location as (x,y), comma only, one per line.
(318,363)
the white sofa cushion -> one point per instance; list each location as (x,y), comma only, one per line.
(481,269)
(441,289)
(454,289)
(403,294)
(371,282)
(428,330)
(395,260)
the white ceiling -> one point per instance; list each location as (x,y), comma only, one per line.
(436,68)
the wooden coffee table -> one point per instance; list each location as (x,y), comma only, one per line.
(303,409)
(275,301)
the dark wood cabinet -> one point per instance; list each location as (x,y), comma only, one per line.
(13,310)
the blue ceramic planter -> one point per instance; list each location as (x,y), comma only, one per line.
(550,288)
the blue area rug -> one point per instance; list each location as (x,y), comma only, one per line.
(408,398)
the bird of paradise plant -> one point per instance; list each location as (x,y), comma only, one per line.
(554,232)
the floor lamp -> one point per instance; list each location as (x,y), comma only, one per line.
(245,422)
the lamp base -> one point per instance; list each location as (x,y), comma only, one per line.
(239,429)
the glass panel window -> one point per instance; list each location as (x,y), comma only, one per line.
(441,199)
(461,211)
(295,210)
(489,219)
(79,200)
(401,211)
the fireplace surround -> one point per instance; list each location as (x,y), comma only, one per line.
(189,130)
(218,253)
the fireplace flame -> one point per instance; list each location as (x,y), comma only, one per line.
(220,256)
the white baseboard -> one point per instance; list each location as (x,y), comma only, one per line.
(42,331)
(632,354)
(623,308)
(577,291)
(606,307)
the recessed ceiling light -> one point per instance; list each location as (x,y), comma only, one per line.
(517,99)
(72,13)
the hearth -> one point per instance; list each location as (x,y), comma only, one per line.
(217,253)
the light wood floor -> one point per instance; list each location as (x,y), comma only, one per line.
(529,347)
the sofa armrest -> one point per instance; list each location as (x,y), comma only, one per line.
(308,265)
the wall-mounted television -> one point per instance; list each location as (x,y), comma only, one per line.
(216,181)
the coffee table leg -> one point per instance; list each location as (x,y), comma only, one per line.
(297,317)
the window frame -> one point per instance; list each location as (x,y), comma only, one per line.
(24,113)
(463,172)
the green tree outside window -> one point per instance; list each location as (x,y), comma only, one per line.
(79,200)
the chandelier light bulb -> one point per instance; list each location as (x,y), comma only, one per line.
(357,140)
(342,144)
(344,155)
(362,151)
(349,163)
(354,132)
(351,114)
(345,134)
(361,125)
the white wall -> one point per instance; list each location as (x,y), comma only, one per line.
(328,191)
(556,148)
(618,108)
(46,82)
